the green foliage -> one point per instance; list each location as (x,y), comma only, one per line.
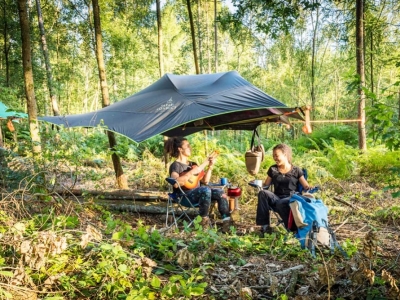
(324,136)
(390,214)
(337,159)
(385,125)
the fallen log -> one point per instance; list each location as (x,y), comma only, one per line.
(116,194)
(139,206)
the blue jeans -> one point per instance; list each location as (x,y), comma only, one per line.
(203,196)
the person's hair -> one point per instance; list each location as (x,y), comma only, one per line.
(172,144)
(285,150)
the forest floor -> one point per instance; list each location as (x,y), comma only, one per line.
(353,216)
(371,272)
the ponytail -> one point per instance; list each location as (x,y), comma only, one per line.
(172,144)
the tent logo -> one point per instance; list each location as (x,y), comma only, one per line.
(167,106)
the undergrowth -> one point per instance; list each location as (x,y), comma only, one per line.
(58,248)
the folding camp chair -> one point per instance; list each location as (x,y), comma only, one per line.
(278,217)
(179,206)
(299,190)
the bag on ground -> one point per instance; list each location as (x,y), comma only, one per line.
(311,218)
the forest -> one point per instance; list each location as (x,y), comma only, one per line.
(82,210)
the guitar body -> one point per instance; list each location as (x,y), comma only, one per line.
(194,180)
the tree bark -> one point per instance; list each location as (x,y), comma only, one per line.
(215,36)
(361,73)
(192,31)
(313,59)
(28,77)
(53,99)
(199,36)
(160,41)
(6,47)
(120,176)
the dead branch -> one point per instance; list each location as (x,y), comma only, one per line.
(287,271)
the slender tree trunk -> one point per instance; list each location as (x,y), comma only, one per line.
(192,31)
(6,47)
(160,41)
(215,36)
(53,98)
(208,40)
(313,58)
(160,62)
(199,35)
(121,178)
(371,63)
(28,77)
(362,143)
(1,135)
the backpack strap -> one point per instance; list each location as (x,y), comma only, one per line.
(333,241)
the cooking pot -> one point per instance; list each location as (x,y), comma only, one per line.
(234,191)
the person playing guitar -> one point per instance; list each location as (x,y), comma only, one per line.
(188,174)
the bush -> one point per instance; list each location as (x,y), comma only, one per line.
(322,137)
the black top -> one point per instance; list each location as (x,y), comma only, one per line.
(179,168)
(285,184)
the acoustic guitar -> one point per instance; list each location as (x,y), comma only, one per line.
(194,180)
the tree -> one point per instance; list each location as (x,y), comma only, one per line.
(121,179)
(362,141)
(28,77)
(53,99)
(193,34)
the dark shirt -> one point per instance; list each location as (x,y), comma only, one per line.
(285,184)
(180,168)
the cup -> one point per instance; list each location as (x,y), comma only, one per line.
(224,181)
(258,182)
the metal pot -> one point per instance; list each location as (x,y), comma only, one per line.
(234,191)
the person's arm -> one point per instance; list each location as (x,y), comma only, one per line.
(304,183)
(267,181)
(207,176)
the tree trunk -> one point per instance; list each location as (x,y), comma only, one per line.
(215,36)
(361,73)
(160,41)
(192,31)
(53,99)
(199,35)
(28,77)
(121,179)
(313,58)
(6,47)
(1,135)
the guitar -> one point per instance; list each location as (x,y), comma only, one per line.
(194,180)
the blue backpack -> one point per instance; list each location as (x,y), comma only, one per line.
(311,218)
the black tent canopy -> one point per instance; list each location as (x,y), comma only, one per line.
(185,104)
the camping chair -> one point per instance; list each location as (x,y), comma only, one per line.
(299,190)
(178,206)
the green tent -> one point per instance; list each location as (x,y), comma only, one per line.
(5,112)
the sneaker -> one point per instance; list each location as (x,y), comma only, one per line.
(226,225)
(205,223)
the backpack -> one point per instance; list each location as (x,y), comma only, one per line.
(311,218)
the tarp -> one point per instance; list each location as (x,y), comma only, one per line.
(5,112)
(184,104)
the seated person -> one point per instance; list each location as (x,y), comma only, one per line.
(183,171)
(285,177)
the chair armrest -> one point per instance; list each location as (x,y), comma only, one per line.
(252,184)
(171,181)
